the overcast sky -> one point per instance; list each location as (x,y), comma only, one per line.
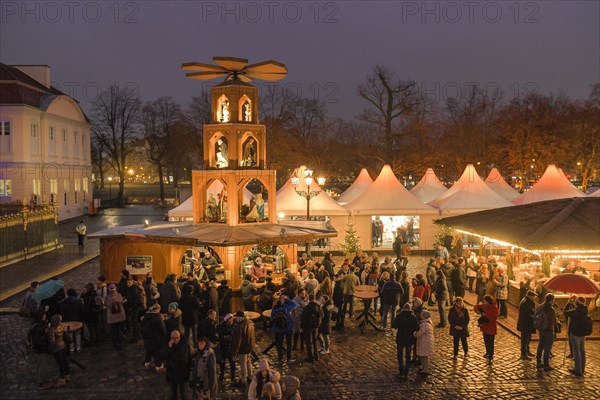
(328,47)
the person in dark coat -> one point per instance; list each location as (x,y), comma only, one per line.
(390,294)
(224,298)
(328,263)
(441,296)
(190,307)
(338,300)
(458,318)
(448,270)
(405,296)
(525,323)
(72,310)
(430,277)
(577,332)
(243,343)
(133,308)
(173,320)
(311,318)
(92,306)
(154,334)
(177,356)
(204,374)
(169,292)
(122,285)
(285,306)
(225,332)
(193,282)
(207,328)
(407,324)
(459,276)
(325,327)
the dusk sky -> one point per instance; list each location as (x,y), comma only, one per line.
(328,47)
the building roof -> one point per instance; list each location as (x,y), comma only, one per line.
(495,181)
(291,203)
(552,185)
(360,185)
(387,196)
(429,187)
(563,224)
(469,193)
(16,87)
(216,234)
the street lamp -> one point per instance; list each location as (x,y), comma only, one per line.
(307,193)
(110,190)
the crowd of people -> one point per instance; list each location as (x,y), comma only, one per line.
(190,334)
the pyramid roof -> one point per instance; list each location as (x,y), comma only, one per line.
(361,183)
(291,203)
(500,186)
(552,185)
(429,187)
(470,193)
(387,196)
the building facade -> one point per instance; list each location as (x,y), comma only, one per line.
(44,143)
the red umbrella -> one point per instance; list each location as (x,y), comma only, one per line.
(572,283)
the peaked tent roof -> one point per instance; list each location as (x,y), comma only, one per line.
(291,203)
(595,193)
(552,185)
(499,185)
(470,193)
(563,224)
(429,187)
(361,183)
(387,196)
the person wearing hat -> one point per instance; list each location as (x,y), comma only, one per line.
(458,318)
(579,323)
(169,292)
(263,375)
(225,332)
(243,342)
(115,316)
(258,271)
(407,324)
(525,284)
(525,323)
(425,341)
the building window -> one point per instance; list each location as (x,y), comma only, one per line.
(5,187)
(65,143)
(52,141)
(53,190)
(77,188)
(85,188)
(65,198)
(35,140)
(75,197)
(37,187)
(5,135)
(75,144)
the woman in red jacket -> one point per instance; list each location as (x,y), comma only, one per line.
(487,324)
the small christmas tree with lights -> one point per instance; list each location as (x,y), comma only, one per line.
(351,242)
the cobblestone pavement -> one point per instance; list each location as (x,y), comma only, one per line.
(358,367)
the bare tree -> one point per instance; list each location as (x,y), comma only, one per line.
(98,160)
(115,115)
(160,119)
(306,120)
(390,99)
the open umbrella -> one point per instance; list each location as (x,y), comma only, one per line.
(47,290)
(572,283)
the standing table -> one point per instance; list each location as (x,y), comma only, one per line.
(366,315)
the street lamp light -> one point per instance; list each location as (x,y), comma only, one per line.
(307,193)
(110,190)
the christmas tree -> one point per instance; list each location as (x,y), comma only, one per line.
(351,242)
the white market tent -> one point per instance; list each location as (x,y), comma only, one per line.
(551,186)
(387,196)
(184,211)
(291,203)
(499,185)
(595,194)
(429,187)
(360,185)
(470,193)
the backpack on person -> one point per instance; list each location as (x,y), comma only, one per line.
(280,320)
(540,319)
(587,325)
(116,308)
(37,339)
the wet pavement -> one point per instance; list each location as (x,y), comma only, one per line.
(358,366)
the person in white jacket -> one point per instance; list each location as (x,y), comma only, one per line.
(425,341)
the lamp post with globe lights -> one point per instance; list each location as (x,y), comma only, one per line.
(307,193)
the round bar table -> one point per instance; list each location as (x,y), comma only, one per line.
(366,315)
(365,288)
